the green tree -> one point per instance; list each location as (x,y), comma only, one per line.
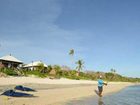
(113,71)
(40,67)
(80,65)
(109,76)
(57,68)
(71,53)
(49,68)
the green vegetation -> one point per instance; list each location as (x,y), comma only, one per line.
(35,73)
(79,66)
(41,68)
(71,52)
(71,74)
(8,71)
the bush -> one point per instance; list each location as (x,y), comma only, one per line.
(35,72)
(9,71)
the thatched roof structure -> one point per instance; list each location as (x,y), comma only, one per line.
(10,58)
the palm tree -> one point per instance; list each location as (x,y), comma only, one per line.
(57,68)
(79,66)
(113,71)
(41,67)
(49,68)
(71,53)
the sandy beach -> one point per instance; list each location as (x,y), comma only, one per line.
(54,92)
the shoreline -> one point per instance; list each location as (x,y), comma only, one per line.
(56,92)
(106,92)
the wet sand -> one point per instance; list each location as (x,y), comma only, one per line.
(126,96)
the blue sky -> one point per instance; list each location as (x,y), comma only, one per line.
(104,33)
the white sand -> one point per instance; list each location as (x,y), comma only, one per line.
(23,80)
(58,95)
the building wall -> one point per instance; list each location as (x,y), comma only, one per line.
(8,64)
(1,65)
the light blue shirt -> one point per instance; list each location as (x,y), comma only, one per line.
(100,82)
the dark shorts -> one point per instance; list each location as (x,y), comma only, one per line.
(100,88)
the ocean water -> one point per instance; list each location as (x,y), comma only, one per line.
(127,96)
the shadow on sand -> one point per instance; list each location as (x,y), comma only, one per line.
(100,101)
(97,92)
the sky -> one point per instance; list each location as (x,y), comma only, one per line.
(105,34)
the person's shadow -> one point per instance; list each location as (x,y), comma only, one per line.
(96,92)
(100,101)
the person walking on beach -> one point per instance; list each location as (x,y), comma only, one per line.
(101,83)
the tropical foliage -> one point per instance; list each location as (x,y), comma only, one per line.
(71,74)
(71,52)
(80,65)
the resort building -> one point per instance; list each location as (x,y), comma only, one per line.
(34,65)
(10,61)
